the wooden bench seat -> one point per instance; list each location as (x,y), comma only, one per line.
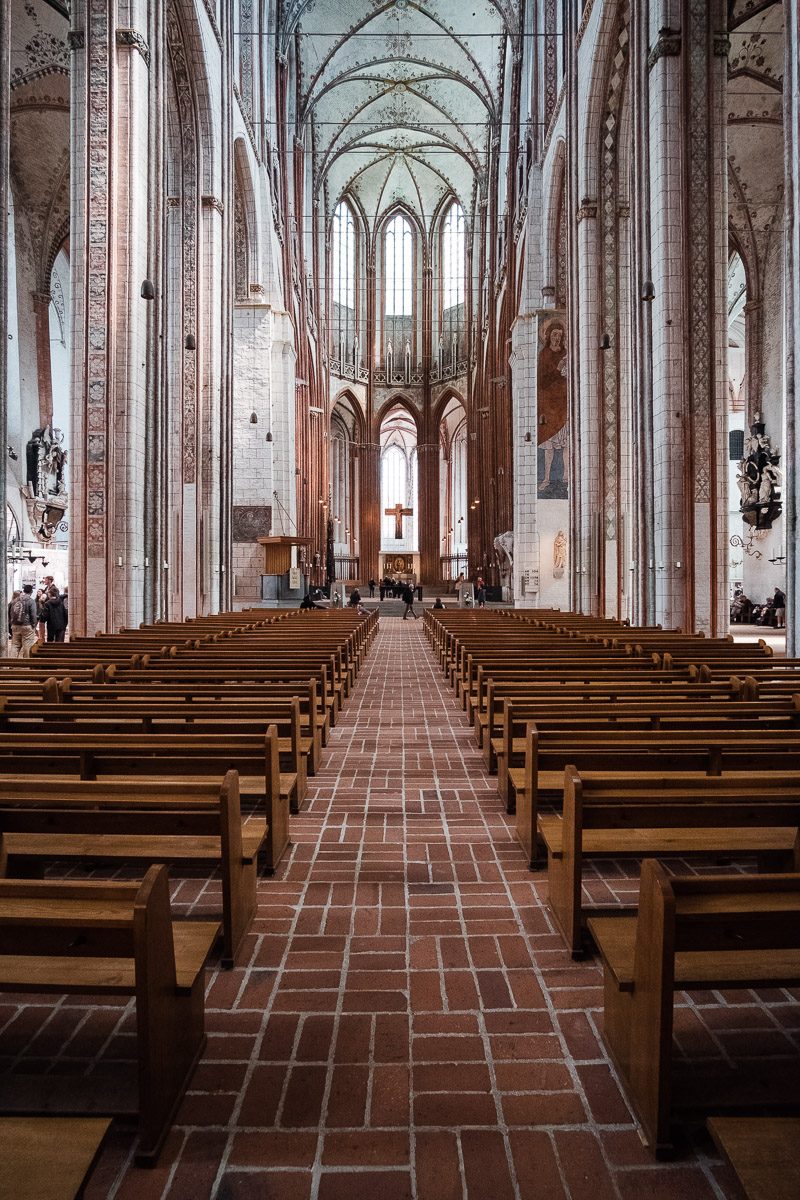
(116,939)
(156,757)
(764,1152)
(48,1158)
(719,931)
(114,824)
(649,752)
(624,817)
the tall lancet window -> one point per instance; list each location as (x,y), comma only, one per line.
(343,280)
(453,282)
(398,279)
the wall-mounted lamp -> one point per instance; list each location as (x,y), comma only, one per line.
(297,470)
(148,290)
(253,418)
(605,342)
(648,290)
(191,342)
(12,454)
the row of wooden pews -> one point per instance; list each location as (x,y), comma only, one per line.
(155,750)
(613,743)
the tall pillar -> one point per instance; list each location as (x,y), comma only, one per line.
(791,91)
(5,138)
(429,522)
(111,255)
(687,68)
(370,514)
(44,374)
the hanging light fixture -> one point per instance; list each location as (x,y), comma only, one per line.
(148,290)
(253,418)
(191,342)
(605,342)
(648,290)
(268,438)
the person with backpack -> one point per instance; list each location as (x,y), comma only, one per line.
(407,597)
(22,622)
(54,615)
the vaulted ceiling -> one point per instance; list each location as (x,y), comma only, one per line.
(755,126)
(403,95)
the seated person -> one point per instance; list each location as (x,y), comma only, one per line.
(438,602)
(355,598)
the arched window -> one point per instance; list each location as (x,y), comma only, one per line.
(399,267)
(453,240)
(452,284)
(343,280)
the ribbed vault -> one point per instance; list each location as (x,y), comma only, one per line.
(400,101)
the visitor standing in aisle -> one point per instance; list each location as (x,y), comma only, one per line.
(408,600)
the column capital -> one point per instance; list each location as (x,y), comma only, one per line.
(667,45)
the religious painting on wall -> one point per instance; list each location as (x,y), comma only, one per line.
(398,564)
(251,521)
(552,407)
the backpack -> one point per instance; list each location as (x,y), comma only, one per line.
(19,612)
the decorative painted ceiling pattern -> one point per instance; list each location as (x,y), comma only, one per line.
(39,153)
(403,97)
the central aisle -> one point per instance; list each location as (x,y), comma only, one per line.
(408,1025)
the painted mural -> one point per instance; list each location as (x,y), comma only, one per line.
(552,407)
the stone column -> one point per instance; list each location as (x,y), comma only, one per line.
(687,66)
(5,137)
(111,257)
(791,89)
(428,500)
(370,515)
(41,317)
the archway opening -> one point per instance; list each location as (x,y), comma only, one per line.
(344,482)
(399,485)
(453,501)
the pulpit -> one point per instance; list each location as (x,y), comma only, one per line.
(284,578)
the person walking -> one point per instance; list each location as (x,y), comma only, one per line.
(54,614)
(779,608)
(480,593)
(408,600)
(22,618)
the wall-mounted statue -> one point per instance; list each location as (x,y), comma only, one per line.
(46,486)
(504,545)
(559,554)
(759,479)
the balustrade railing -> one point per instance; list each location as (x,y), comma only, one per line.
(452,565)
(346,566)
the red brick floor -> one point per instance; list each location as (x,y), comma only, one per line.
(406,1024)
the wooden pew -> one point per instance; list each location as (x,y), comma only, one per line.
(764,1152)
(719,931)
(115,822)
(640,752)
(184,720)
(48,1158)
(157,757)
(624,712)
(116,939)
(626,816)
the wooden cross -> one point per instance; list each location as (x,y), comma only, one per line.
(398,512)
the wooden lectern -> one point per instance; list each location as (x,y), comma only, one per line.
(278,552)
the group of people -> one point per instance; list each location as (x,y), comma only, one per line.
(395,587)
(480,590)
(771,612)
(43,617)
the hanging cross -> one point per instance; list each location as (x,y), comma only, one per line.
(398,512)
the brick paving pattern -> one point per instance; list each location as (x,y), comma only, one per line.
(406,1024)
